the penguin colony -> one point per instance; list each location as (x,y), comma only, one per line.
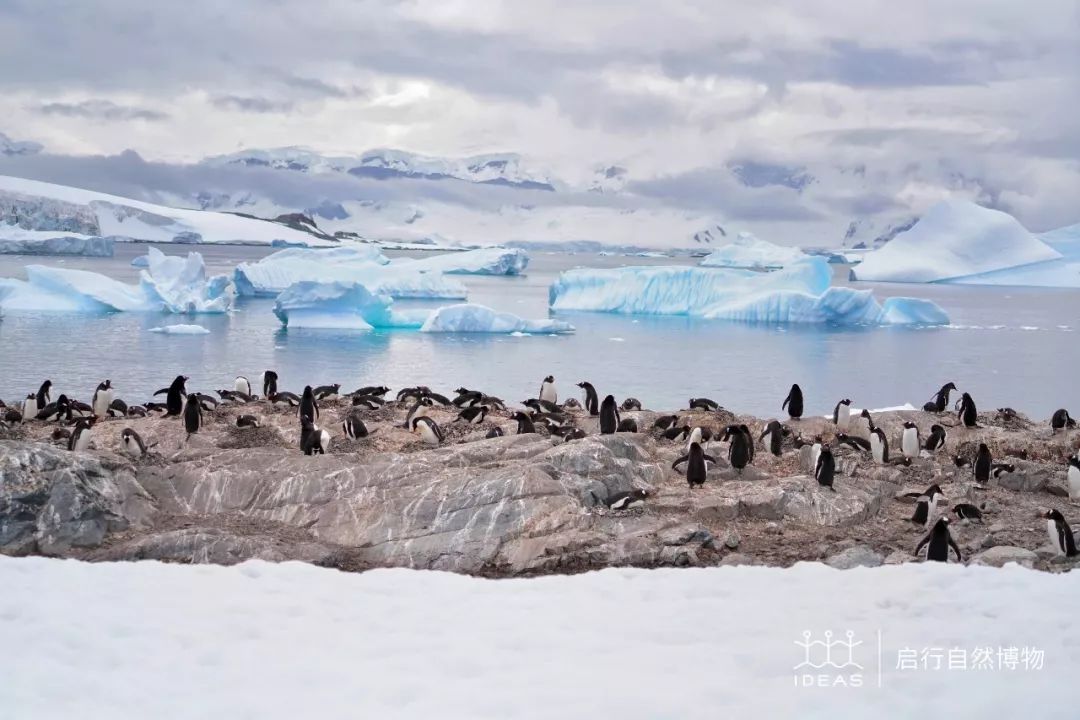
(78,422)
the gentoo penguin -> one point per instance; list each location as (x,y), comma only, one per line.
(29,406)
(589,401)
(793,403)
(308,405)
(772,437)
(941,399)
(825,468)
(548,392)
(174,396)
(674,432)
(465,398)
(1073,475)
(967,412)
(938,541)
(815,452)
(926,505)
(327,392)
(61,433)
(665,421)
(703,403)
(999,469)
(81,409)
(853,441)
(473,415)
(696,436)
(983,464)
(841,415)
(371,402)
(132,443)
(59,410)
(42,396)
(241,385)
(81,435)
(234,396)
(879,446)
(631,404)
(1060,534)
(625,500)
(414,412)
(206,402)
(1061,420)
(575,434)
(494,433)
(118,408)
(247,421)
(313,440)
(909,440)
(627,425)
(542,406)
(269,383)
(284,399)
(936,439)
(374,390)
(740,448)
(609,416)
(192,415)
(136,411)
(525,423)
(429,431)
(967,511)
(695,460)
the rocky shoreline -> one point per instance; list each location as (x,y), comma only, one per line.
(514,505)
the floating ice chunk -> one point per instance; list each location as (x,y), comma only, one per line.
(341,305)
(484,261)
(16,241)
(747,251)
(181,285)
(955,239)
(911,311)
(140,261)
(472,318)
(181,330)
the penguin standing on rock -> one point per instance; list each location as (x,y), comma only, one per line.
(81,435)
(793,403)
(879,446)
(28,406)
(740,447)
(936,439)
(132,443)
(969,415)
(525,423)
(826,468)
(696,469)
(983,465)
(308,405)
(940,400)
(313,440)
(938,541)
(841,416)
(590,401)
(772,437)
(1060,534)
(192,415)
(1061,421)
(174,396)
(909,440)
(1073,476)
(42,396)
(926,505)
(548,391)
(270,379)
(609,416)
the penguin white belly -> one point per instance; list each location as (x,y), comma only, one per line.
(104,400)
(242,385)
(843,418)
(877,449)
(767,440)
(548,393)
(324,440)
(695,437)
(83,441)
(132,448)
(1074,484)
(29,408)
(909,444)
(815,453)
(1052,533)
(427,434)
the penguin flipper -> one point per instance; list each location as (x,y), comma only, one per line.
(684,458)
(710,458)
(162,391)
(921,544)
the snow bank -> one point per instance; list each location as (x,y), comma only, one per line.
(294,640)
(799,293)
(484,261)
(472,318)
(362,264)
(955,239)
(340,305)
(747,251)
(16,241)
(169,284)
(181,330)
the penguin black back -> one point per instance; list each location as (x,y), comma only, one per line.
(941,399)
(592,402)
(793,403)
(309,407)
(609,416)
(826,468)
(939,540)
(192,414)
(969,415)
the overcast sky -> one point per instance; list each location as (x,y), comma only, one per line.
(884,105)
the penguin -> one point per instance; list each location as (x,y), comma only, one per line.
(909,440)
(80,408)
(29,406)
(118,408)
(575,434)
(570,404)
(174,396)
(61,433)
(473,415)
(548,392)
(206,402)
(371,402)
(429,431)
(327,392)
(696,436)
(313,440)
(242,385)
(696,469)
(590,401)
(1060,534)
(42,398)
(192,415)
(983,464)
(373,390)
(938,541)
(465,398)
(541,406)
(308,405)
(247,421)
(631,404)
(525,423)
(1073,475)
(627,425)
(414,412)
(999,469)
(967,412)
(234,396)
(494,433)
(81,435)
(269,383)
(793,403)
(609,416)
(841,415)
(665,421)
(59,410)
(284,399)
(674,432)
(1061,420)
(132,443)
(967,511)
(136,411)
(940,400)
(853,441)
(815,452)
(704,404)
(772,437)
(879,446)
(936,439)
(825,468)
(625,500)
(739,449)
(926,504)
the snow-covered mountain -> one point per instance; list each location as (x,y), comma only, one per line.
(11,147)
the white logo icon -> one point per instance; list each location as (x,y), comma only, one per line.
(822,650)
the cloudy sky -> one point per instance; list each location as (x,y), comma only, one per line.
(794,108)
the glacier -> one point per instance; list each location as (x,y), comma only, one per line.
(17,241)
(482,261)
(747,251)
(799,293)
(169,284)
(473,318)
(341,306)
(180,329)
(958,241)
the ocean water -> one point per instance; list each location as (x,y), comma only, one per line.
(1007,346)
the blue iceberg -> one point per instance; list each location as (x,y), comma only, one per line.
(472,318)
(484,261)
(180,330)
(341,305)
(747,251)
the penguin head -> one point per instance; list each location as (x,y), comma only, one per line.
(846,401)
(46,385)
(307,391)
(865,413)
(908,425)
(549,379)
(1073,461)
(1054,515)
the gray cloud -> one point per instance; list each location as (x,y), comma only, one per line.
(101,110)
(250,104)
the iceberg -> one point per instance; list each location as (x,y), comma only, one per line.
(483,261)
(799,293)
(169,284)
(959,241)
(16,241)
(181,330)
(341,305)
(747,251)
(361,264)
(473,318)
